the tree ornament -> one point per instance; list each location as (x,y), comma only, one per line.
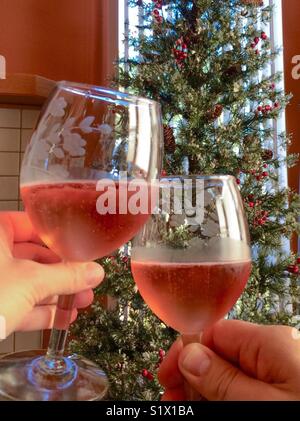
(294,269)
(169,139)
(264,36)
(161,353)
(150,376)
(215,113)
(180,52)
(267,155)
(233,71)
(156,12)
(145,373)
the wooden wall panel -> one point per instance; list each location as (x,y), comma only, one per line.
(291,35)
(59,39)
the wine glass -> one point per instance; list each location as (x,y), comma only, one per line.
(191,261)
(94,151)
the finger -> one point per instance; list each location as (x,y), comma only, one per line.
(35,252)
(21,226)
(218,380)
(82,299)
(169,375)
(254,348)
(176,394)
(42,281)
(41,318)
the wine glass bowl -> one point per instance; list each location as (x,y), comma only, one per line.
(92,160)
(191,261)
(86,135)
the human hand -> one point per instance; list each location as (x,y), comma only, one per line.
(32,277)
(236,361)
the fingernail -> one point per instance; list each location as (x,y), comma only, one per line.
(195,360)
(94,274)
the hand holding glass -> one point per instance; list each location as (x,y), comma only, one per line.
(77,180)
(191,261)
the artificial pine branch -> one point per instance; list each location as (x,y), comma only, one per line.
(201,59)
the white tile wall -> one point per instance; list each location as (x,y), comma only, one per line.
(25,138)
(9,205)
(9,163)
(9,188)
(29,118)
(15,131)
(28,340)
(7,346)
(10,117)
(10,140)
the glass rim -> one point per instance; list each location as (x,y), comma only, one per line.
(96,89)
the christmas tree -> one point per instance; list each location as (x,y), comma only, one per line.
(204,61)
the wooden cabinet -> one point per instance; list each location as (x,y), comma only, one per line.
(60,39)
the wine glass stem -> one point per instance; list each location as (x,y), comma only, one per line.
(191,393)
(60,329)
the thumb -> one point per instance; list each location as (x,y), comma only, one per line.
(59,279)
(217,379)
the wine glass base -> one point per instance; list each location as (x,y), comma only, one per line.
(89,384)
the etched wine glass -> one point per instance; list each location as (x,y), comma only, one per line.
(92,150)
(192,260)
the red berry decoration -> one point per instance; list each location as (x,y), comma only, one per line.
(214,113)
(264,36)
(145,373)
(161,353)
(164,173)
(276,104)
(150,376)
(293,269)
(238,181)
(256,40)
(180,52)
(265,174)
(251,204)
